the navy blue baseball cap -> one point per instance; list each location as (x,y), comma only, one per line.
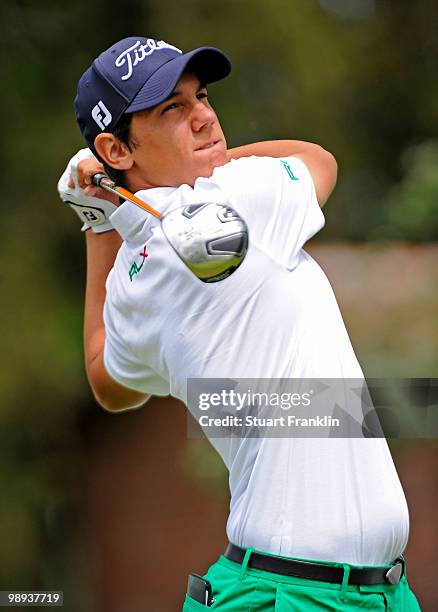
(137,73)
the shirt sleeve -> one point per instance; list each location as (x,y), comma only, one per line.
(121,362)
(277,199)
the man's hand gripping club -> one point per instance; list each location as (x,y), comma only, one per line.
(93,206)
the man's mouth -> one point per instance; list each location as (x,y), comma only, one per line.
(207,145)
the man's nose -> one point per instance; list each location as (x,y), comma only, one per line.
(202,117)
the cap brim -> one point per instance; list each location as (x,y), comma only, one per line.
(208,63)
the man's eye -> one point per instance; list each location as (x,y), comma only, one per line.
(169,107)
(202,95)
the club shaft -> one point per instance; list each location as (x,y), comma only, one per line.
(101,180)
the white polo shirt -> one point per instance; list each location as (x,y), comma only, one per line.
(275,317)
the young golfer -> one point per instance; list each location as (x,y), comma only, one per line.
(315,523)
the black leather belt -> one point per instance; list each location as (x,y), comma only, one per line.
(317,571)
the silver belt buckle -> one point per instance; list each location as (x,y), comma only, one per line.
(395,573)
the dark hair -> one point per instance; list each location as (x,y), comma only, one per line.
(122,132)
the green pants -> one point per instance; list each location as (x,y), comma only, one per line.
(237,588)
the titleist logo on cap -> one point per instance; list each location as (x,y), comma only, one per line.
(138,52)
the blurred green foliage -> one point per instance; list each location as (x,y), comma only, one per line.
(361,83)
(412,204)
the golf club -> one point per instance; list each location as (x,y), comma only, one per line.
(211,239)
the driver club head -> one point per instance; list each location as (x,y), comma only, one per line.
(211,239)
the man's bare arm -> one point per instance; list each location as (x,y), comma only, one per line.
(101,253)
(320,163)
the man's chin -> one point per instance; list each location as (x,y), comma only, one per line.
(207,169)
(208,172)
(218,158)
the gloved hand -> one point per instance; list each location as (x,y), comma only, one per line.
(94,212)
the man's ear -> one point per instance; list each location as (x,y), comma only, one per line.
(113,151)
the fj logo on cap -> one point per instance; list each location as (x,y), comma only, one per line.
(138,52)
(101,115)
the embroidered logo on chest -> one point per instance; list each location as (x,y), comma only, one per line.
(135,268)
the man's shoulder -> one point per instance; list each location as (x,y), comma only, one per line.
(253,161)
(258,169)
(240,172)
